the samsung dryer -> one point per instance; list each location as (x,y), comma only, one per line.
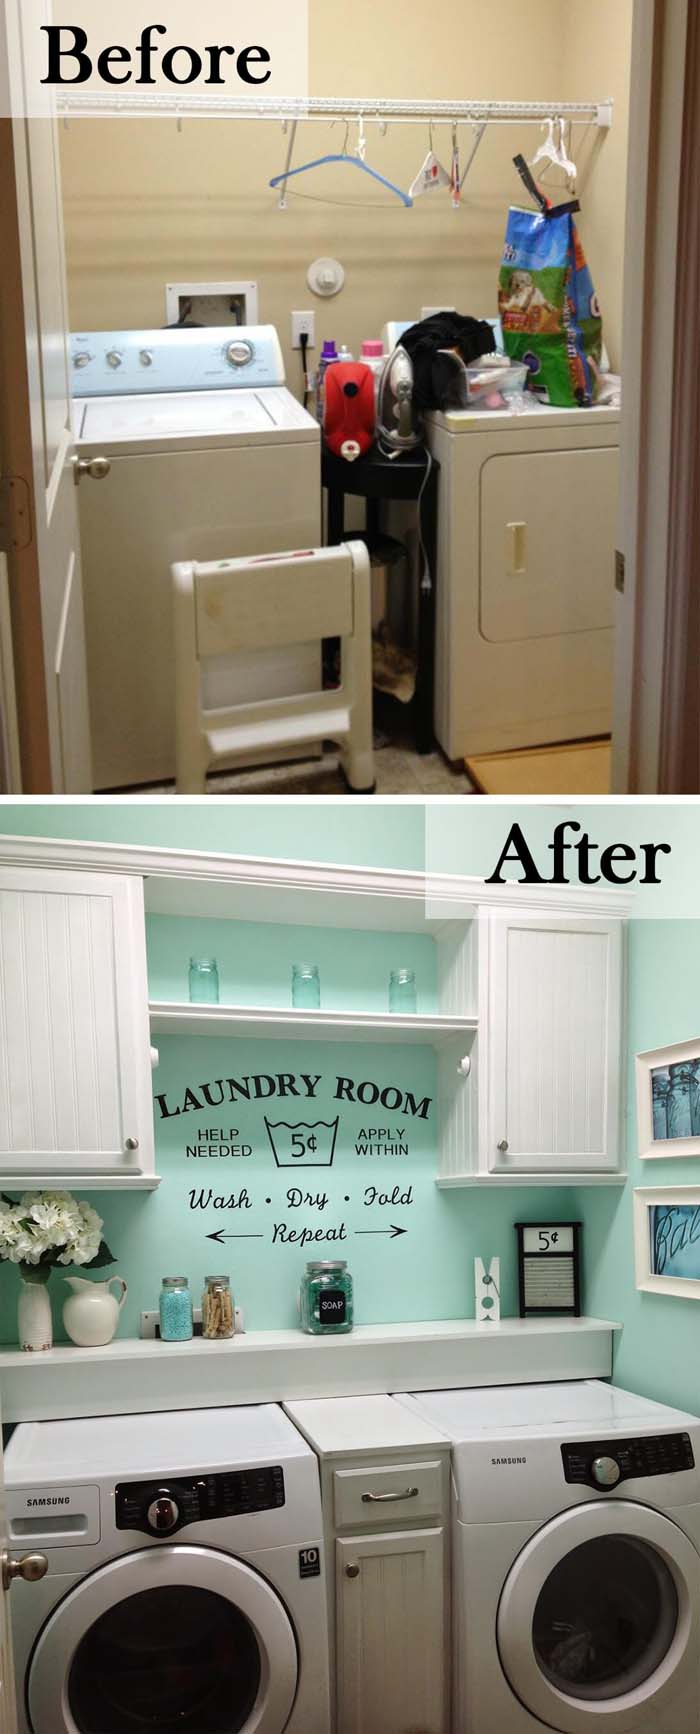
(189,447)
(185,1591)
(576,1549)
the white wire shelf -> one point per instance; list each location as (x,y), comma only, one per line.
(314,108)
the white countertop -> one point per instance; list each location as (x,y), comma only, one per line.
(339,1426)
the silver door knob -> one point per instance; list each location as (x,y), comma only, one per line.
(96,468)
(352,1571)
(503,1146)
(31,1567)
(131,1144)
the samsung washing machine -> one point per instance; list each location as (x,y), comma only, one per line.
(185,1589)
(576,1548)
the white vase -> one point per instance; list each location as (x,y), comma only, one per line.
(91,1313)
(34,1316)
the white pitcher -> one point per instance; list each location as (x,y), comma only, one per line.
(91,1312)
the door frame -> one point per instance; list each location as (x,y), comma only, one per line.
(657,379)
(23,573)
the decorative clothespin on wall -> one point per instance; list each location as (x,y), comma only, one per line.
(487,1291)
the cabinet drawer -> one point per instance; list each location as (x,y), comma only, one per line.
(404,1492)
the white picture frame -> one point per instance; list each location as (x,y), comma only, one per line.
(667,1240)
(668,1101)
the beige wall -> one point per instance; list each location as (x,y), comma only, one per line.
(146,203)
(597,60)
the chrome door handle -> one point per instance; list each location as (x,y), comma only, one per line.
(31,1567)
(97,468)
(389,1498)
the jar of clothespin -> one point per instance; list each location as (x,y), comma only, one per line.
(218,1319)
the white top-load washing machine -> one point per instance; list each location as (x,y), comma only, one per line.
(185,1591)
(576,1538)
(191,447)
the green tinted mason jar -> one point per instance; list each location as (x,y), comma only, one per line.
(325,1298)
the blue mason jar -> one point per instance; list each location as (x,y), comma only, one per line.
(175,1309)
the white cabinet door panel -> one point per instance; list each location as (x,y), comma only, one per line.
(74,1049)
(554,1044)
(391,1637)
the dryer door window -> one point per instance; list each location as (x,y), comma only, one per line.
(176,1640)
(600,1615)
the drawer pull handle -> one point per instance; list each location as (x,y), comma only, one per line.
(389,1498)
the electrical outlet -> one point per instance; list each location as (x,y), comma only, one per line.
(303,324)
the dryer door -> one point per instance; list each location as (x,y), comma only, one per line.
(179,1640)
(598,1618)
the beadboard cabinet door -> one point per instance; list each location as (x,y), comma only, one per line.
(75,1075)
(554,1008)
(390,1633)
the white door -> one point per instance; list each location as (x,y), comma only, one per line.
(36,443)
(75,1074)
(599,1619)
(548,523)
(391,1638)
(554,1042)
(182,1638)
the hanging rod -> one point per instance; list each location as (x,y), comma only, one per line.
(381,110)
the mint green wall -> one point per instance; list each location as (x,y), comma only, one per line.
(353,833)
(658,1353)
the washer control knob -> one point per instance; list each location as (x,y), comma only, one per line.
(606,1471)
(240,353)
(114,359)
(146,357)
(163,1513)
(82,358)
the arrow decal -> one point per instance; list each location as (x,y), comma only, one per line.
(221,1236)
(392,1232)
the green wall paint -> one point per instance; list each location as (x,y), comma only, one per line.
(352,833)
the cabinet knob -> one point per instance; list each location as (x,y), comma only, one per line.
(131,1144)
(503,1145)
(352,1571)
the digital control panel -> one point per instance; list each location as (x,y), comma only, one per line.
(121,363)
(603,1464)
(162,1507)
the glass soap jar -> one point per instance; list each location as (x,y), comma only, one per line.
(402,991)
(204,981)
(325,1298)
(175,1309)
(218,1319)
(306,987)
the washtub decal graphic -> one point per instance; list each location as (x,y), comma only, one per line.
(298,1145)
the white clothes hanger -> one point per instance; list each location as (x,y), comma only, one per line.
(479,130)
(565,161)
(548,152)
(431,174)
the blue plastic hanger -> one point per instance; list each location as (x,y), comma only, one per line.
(355,162)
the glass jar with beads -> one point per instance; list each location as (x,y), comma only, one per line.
(326,1298)
(175,1309)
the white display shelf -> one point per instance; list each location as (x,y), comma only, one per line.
(132,1376)
(273,1024)
(33,1181)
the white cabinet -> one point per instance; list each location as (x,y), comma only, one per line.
(75,1074)
(391,1632)
(552,997)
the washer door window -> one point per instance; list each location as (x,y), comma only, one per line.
(599,1616)
(176,1640)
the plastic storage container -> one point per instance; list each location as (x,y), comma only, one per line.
(372,354)
(494,381)
(329,354)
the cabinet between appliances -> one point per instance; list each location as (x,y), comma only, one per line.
(385,1489)
(75,1068)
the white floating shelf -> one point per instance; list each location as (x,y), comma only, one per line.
(131,1376)
(35,1182)
(493,1181)
(318,1026)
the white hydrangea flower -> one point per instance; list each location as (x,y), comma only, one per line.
(49,1222)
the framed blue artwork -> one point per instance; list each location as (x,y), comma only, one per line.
(667,1240)
(668,1101)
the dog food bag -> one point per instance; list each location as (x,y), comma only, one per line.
(549,309)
